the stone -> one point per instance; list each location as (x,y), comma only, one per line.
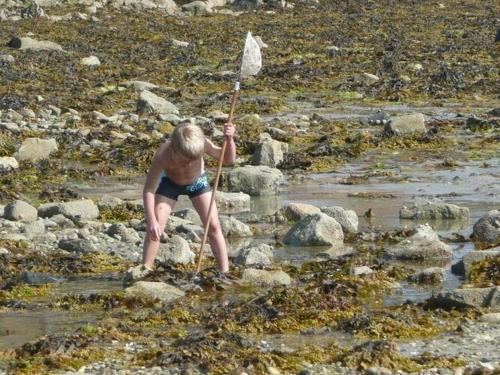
(232,201)
(476,256)
(298,211)
(77,245)
(431,275)
(337,251)
(122,233)
(8,163)
(476,124)
(169,7)
(135,274)
(11,127)
(20,211)
(269,152)
(34,149)
(434,211)
(151,103)
(422,244)
(255,180)
(232,227)
(189,214)
(370,78)
(140,85)
(24,43)
(37,278)
(361,271)
(332,51)
(406,125)
(6,59)
(90,61)
(315,230)
(260,255)
(198,8)
(176,251)
(348,219)
(278,134)
(491,318)
(108,201)
(78,209)
(179,43)
(4,251)
(155,290)
(470,297)
(487,229)
(268,278)
(34,229)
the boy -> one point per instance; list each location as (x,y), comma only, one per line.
(179,162)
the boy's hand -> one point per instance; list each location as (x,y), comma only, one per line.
(154,230)
(229,130)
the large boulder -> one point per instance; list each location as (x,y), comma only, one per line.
(315,230)
(422,244)
(476,256)
(434,211)
(232,227)
(25,43)
(406,125)
(167,6)
(232,201)
(487,229)
(20,211)
(255,180)
(78,209)
(154,290)
(268,278)
(176,251)
(298,211)
(33,149)
(348,219)
(470,297)
(269,152)
(151,103)
(260,255)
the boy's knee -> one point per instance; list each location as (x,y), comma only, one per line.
(215,227)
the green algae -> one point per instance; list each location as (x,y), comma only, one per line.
(485,272)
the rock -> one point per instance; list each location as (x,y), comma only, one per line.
(20,211)
(167,6)
(315,230)
(77,245)
(78,209)
(32,11)
(121,232)
(346,218)
(34,229)
(297,211)
(232,227)
(490,318)
(11,127)
(255,180)
(90,61)
(475,256)
(335,252)
(4,251)
(260,255)
(431,275)
(198,8)
(151,103)
(476,124)
(361,271)
(154,290)
(176,251)
(370,78)
(179,43)
(406,125)
(141,86)
(487,229)
(6,59)
(33,149)
(189,214)
(422,244)
(25,43)
(434,211)
(332,51)
(232,201)
(37,278)
(470,297)
(108,201)
(8,163)
(269,152)
(278,134)
(268,278)
(135,274)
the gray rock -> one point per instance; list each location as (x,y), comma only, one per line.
(232,227)
(335,252)
(37,278)
(151,103)
(198,8)
(434,211)
(487,229)
(20,211)
(78,245)
(34,229)
(473,297)
(6,59)
(25,43)
(260,255)
(61,220)
(406,125)
(268,278)
(11,127)
(8,163)
(269,152)
(255,180)
(121,232)
(154,290)
(315,230)
(167,6)
(90,61)
(298,211)
(108,201)
(78,209)
(34,10)
(4,251)
(232,201)
(176,251)
(431,275)
(33,149)
(332,51)
(475,256)
(475,124)
(422,244)
(141,85)
(278,134)
(361,271)
(190,215)
(490,318)
(346,218)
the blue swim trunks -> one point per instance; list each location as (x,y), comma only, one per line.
(171,190)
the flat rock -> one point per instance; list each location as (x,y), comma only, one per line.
(33,149)
(255,180)
(297,211)
(434,211)
(20,211)
(77,245)
(335,252)
(315,230)
(470,297)
(155,290)
(406,125)
(487,229)
(232,201)
(24,43)
(268,278)
(348,219)
(151,103)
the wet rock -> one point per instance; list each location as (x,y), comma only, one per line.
(198,8)
(406,125)
(434,211)
(155,290)
(431,275)
(33,149)
(476,256)
(278,134)
(422,244)
(255,180)
(176,251)
(487,229)
(476,124)
(269,152)
(260,255)
(361,271)
(6,59)
(24,43)
(232,201)
(151,103)
(268,278)
(90,61)
(167,6)
(122,233)
(189,214)
(346,218)
(297,211)
(471,297)
(8,163)
(78,245)
(232,227)
(36,278)
(20,211)
(315,230)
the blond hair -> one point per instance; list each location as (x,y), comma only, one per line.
(189,141)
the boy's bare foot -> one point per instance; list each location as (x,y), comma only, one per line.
(136,273)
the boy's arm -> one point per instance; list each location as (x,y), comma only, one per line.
(215,151)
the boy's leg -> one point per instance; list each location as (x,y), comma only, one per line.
(163,208)
(201,203)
